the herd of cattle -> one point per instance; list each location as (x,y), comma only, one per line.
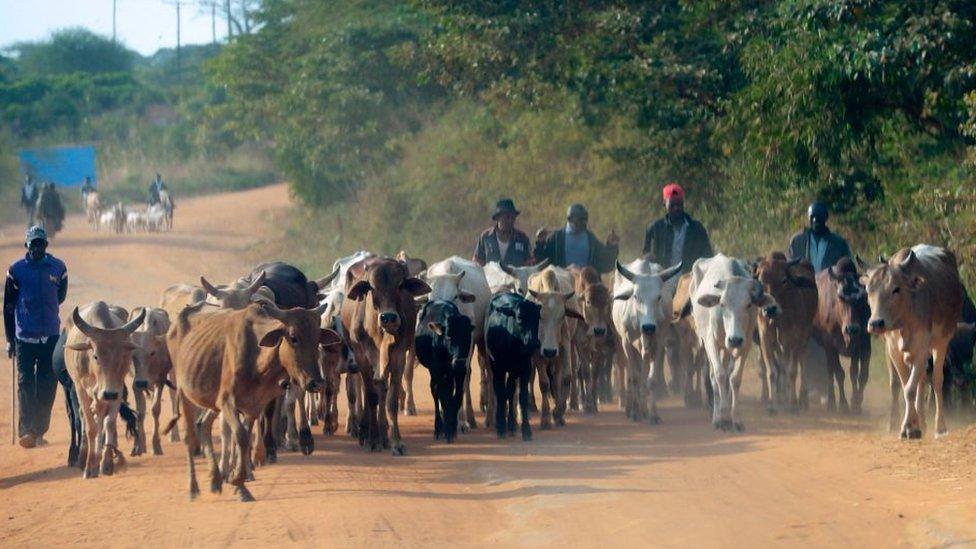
(119,218)
(267,354)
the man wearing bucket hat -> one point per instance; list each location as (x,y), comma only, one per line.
(35,288)
(676,237)
(503,242)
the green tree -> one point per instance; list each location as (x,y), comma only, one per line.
(73,50)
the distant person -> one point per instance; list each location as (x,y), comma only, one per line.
(676,237)
(575,245)
(28,198)
(503,242)
(155,186)
(86,189)
(35,288)
(817,244)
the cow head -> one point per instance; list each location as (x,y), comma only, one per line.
(737,297)
(595,303)
(233,298)
(781,277)
(447,287)
(150,354)
(384,282)
(451,328)
(553,313)
(890,288)
(646,293)
(850,298)
(522,274)
(297,335)
(110,352)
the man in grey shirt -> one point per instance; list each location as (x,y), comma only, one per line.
(576,245)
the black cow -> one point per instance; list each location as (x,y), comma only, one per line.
(442,345)
(511,337)
(959,359)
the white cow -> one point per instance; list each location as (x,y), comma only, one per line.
(506,278)
(724,302)
(463,282)
(641,311)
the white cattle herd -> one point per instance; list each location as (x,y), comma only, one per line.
(265,355)
(120,218)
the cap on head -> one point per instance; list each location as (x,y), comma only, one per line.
(817,209)
(577,210)
(35,233)
(503,206)
(673,190)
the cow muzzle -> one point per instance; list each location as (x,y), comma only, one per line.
(599,332)
(388,319)
(110,395)
(876,325)
(549,353)
(734,342)
(771,312)
(140,385)
(648,329)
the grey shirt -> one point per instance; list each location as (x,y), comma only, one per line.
(577,248)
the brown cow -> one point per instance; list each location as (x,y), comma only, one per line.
(98,355)
(235,362)
(840,327)
(379,320)
(783,337)
(596,342)
(152,364)
(916,302)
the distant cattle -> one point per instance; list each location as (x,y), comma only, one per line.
(724,299)
(916,303)
(511,340)
(840,327)
(378,318)
(783,337)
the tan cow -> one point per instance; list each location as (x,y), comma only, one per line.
(98,355)
(916,302)
(553,288)
(596,340)
(784,336)
(152,365)
(235,362)
(379,319)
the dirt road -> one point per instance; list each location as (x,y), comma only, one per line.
(812,481)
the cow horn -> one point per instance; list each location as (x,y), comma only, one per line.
(134,324)
(272,310)
(209,287)
(882,258)
(320,310)
(862,264)
(909,259)
(669,272)
(541,265)
(624,272)
(323,283)
(257,283)
(80,323)
(834,275)
(508,270)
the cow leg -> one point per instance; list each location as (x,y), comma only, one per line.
(89,452)
(910,374)
(573,365)
(242,440)
(533,407)
(288,407)
(352,401)
(189,441)
(718,382)
(472,423)
(511,385)
(139,446)
(305,441)
(859,380)
(438,417)
(545,417)
(455,394)
(270,454)
(207,445)
(834,366)
(501,400)
(313,405)
(655,376)
(735,381)
(227,447)
(767,373)
(395,377)
(938,366)
(157,446)
(792,366)
(110,448)
(487,387)
(561,382)
(174,433)
(411,365)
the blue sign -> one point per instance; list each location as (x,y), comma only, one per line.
(65,166)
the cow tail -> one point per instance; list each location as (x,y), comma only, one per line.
(179,407)
(129,417)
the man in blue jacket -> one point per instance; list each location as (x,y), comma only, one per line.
(35,288)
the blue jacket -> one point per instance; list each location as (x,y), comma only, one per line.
(32,297)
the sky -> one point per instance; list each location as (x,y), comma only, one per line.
(141,25)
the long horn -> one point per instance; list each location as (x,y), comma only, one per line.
(508,270)
(541,265)
(624,272)
(909,259)
(862,264)
(793,262)
(209,287)
(324,283)
(80,323)
(134,324)
(272,310)
(669,272)
(320,310)
(257,283)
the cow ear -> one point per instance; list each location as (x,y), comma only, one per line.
(436,328)
(465,297)
(765,301)
(916,283)
(272,338)
(685,311)
(83,346)
(708,300)
(573,314)
(801,281)
(359,290)
(328,338)
(415,287)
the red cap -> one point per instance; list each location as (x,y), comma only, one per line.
(673,190)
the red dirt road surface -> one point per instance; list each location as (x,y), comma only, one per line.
(816,480)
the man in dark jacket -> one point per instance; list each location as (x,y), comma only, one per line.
(816,243)
(35,288)
(575,245)
(503,242)
(676,236)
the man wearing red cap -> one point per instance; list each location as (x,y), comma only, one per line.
(676,237)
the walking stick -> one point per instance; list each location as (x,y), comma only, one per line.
(13,401)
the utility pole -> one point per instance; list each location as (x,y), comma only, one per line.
(230,31)
(213,21)
(114,9)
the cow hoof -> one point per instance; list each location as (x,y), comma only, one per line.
(399,449)
(411,410)
(73,457)
(305,441)
(939,434)
(472,424)
(328,430)
(174,436)
(560,422)
(244,493)
(739,427)
(313,421)
(526,436)
(216,485)
(915,434)
(464,427)
(89,473)
(654,419)
(108,468)
(194,490)
(545,424)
